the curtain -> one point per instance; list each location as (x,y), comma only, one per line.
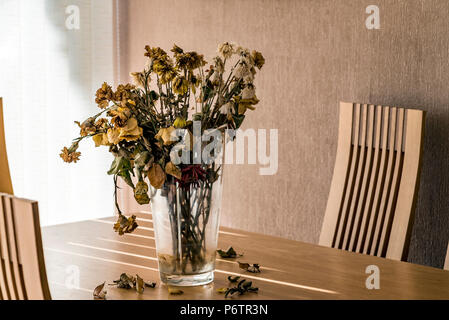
(54,54)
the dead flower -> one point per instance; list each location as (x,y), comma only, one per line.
(125,225)
(230,253)
(255,268)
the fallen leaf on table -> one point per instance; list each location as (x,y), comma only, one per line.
(125,281)
(242,287)
(233,279)
(175,291)
(222,290)
(255,268)
(150,284)
(99,293)
(230,253)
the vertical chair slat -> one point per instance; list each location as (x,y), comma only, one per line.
(380,182)
(30,249)
(381,250)
(4,289)
(340,176)
(404,212)
(9,272)
(388,181)
(355,203)
(351,179)
(366,174)
(13,256)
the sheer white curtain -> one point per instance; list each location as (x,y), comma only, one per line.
(48,77)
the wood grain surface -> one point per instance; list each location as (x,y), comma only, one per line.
(289,269)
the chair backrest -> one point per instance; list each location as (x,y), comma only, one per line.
(5,178)
(370,208)
(22,266)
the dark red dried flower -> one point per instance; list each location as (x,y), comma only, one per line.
(192,175)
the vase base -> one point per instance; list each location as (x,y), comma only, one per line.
(187,280)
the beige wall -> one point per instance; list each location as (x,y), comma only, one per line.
(318,53)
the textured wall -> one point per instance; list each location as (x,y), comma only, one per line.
(318,53)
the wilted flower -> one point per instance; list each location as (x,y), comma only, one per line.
(125,225)
(180,85)
(179,123)
(226,49)
(104,95)
(70,154)
(164,134)
(87,127)
(138,79)
(123,92)
(131,131)
(258,59)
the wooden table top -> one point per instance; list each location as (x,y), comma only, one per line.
(289,269)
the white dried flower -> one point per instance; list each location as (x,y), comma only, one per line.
(249,92)
(226,49)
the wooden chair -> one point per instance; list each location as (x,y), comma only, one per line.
(370,209)
(446,262)
(5,178)
(22,265)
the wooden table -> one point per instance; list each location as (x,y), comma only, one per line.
(290,269)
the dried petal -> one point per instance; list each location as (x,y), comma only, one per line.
(157,176)
(230,253)
(175,291)
(140,284)
(173,170)
(99,293)
(222,290)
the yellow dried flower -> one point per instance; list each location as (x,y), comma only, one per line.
(179,123)
(180,85)
(164,134)
(104,95)
(125,225)
(70,154)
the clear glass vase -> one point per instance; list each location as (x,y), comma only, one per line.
(186,220)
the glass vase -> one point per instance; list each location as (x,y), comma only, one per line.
(185,221)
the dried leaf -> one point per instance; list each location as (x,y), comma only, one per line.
(230,253)
(222,290)
(141,193)
(157,176)
(242,287)
(173,170)
(125,281)
(175,291)
(243,265)
(140,284)
(233,279)
(255,268)
(99,293)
